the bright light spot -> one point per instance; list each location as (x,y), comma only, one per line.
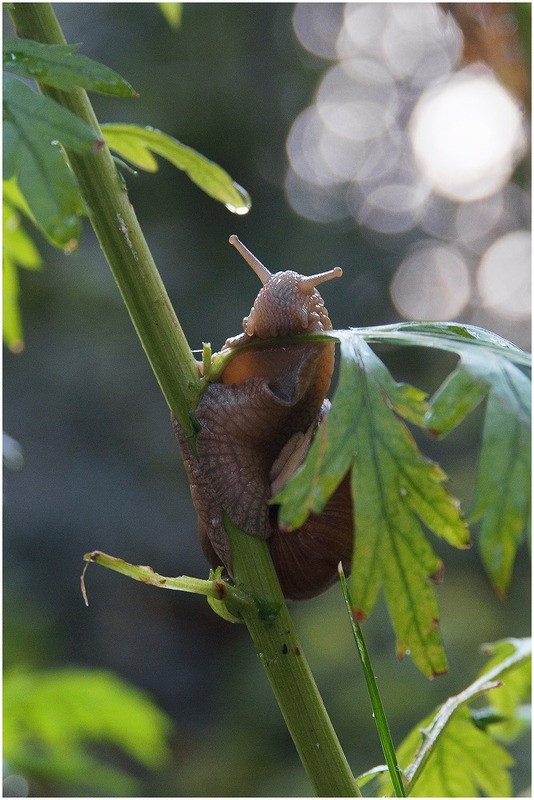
(420,42)
(380,159)
(316,26)
(356,110)
(467,136)
(431,283)
(504,276)
(341,156)
(362,29)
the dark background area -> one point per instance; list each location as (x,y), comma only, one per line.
(102,470)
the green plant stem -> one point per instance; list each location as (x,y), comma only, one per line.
(125,248)
(121,238)
(145,574)
(379,714)
(287,670)
(214,589)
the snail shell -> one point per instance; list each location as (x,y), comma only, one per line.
(256,426)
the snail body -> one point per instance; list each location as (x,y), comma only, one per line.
(256,426)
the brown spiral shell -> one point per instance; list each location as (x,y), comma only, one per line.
(256,423)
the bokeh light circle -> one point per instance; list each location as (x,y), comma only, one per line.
(431,283)
(504,276)
(467,135)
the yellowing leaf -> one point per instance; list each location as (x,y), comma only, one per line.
(465,762)
(18,250)
(394,488)
(448,754)
(137,144)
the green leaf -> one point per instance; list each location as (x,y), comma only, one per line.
(18,251)
(465,762)
(137,144)
(506,700)
(393,487)
(172,13)
(493,368)
(59,65)
(503,482)
(451,336)
(31,124)
(39,116)
(53,720)
(448,754)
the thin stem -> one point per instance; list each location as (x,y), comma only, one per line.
(121,238)
(273,634)
(282,657)
(215,588)
(146,574)
(379,714)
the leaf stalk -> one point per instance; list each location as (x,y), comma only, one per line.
(379,714)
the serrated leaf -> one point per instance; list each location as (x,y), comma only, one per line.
(393,487)
(59,65)
(39,116)
(465,761)
(31,123)
(502,497)
(448,754)
(137,144)
(18,251)
(51,720)
(516,686)
(493,368)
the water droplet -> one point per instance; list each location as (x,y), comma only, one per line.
(237,209)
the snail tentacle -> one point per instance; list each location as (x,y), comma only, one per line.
(257,423)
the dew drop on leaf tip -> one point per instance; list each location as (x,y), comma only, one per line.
(241,210)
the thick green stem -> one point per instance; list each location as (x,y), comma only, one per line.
(125,248)
(282,657)
(121,238)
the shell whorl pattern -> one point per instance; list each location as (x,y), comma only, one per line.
(256,423)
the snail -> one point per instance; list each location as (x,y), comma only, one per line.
(256,424)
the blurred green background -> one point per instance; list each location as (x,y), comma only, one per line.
(101,469)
